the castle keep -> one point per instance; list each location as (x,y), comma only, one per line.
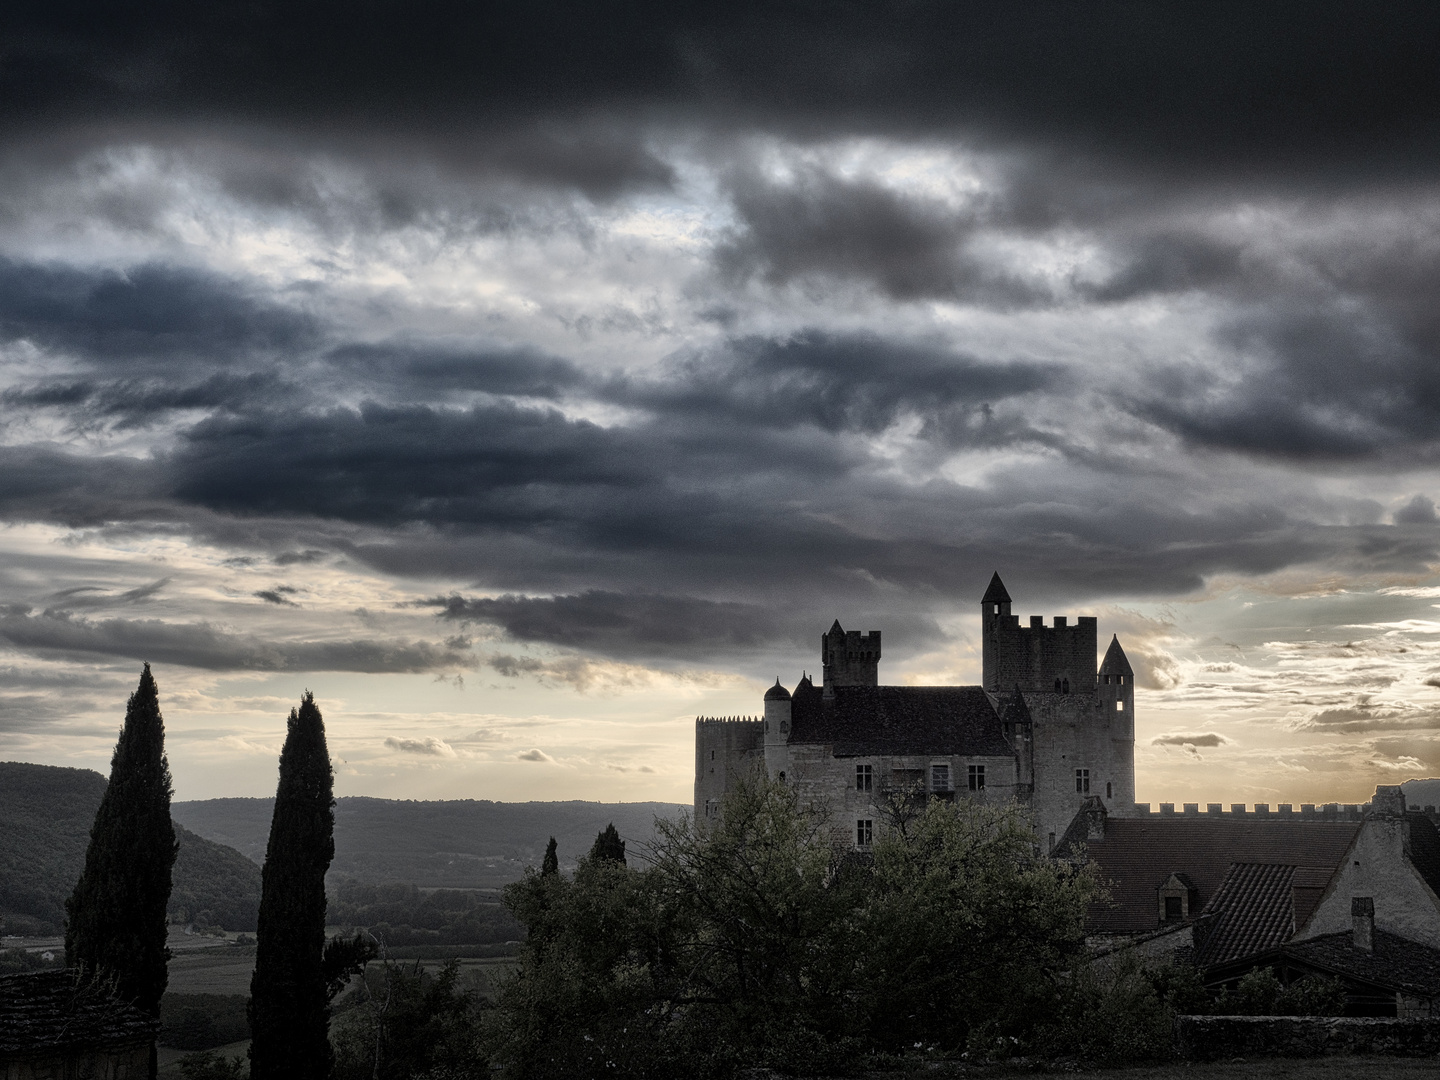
(1045,728)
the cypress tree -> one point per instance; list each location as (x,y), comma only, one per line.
(608,845)
(115,920)
(289,1005)
(551,864)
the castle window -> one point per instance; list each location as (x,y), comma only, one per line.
(712,755)
(977,777)
(1057,686)
(864,831)
(1082,781)
(1107,790)
(782,778)
(863,777)
(1065,686)
(1119,706)
(939,777)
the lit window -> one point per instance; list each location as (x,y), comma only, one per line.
(1119,706)
(1082,781)
(939,777)
(977,777)
(863,778)
(864,830)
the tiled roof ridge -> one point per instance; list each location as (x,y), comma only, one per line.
(1250,912)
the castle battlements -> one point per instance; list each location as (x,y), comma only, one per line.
(727,719)
(1261,812)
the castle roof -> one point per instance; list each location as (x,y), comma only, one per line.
(996,593)
(1137,855)
(858,721)
(777,692)
(64,1011)
(1115,662)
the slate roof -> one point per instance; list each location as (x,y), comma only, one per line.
(1250,913)
(1137,855)
(1396,962)
(861,721)
(49,1010)
(1115,662)
(996,593)
(1425,849)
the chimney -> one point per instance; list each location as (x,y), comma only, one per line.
(1362,917)
(1094,818)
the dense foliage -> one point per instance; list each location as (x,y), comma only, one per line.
(48,813)
(289,1004)
(760,941)
(402,915)
(115,918)
(403,1021)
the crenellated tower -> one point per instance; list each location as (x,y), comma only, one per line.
(849,658)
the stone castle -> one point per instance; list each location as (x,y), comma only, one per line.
(1045,729)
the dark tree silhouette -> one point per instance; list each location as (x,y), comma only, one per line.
(115,920)
(551,864)
(289,1004)
(608,845)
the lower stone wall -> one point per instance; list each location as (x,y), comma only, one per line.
(1207,1038)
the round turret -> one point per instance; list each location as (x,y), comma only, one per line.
(777,692)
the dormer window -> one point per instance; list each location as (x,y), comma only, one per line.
(1176,900)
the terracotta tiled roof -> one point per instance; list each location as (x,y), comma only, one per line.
(1249,913)
(1396,962)
(864,720)
(1138,854)
(50,1010)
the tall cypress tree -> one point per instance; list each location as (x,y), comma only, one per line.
(289,1006)
(608,845)
(551,863)
(115,920)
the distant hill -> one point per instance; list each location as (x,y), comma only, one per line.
(452,844)
(45,818)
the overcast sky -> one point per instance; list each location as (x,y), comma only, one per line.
(525,379)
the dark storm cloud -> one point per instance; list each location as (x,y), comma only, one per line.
(818,224)
(1207,83)
(202,645)
(628,625)
(1205,738)
(842,383)
(134,403)
(151,312)
(413,368)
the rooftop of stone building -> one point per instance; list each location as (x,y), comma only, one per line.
(62,1010)
(870,720)
(1137,855)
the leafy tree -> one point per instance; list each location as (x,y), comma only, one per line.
(760,939)
(116,916)
(408,1022)
(551,865)
(608,845)
(289,1003)
(965,930)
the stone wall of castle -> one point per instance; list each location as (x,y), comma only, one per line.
(725,749)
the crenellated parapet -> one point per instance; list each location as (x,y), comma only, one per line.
(1261,811)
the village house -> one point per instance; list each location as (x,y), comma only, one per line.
(60,1024)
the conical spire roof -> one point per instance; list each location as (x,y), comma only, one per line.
(836,629)
(1115,662)
(996,593)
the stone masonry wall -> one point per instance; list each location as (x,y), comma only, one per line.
(1211,1038)
(725,749)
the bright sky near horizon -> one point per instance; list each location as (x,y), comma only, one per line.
(527,380)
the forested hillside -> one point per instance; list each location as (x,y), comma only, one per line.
(47,813)
(463,843)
